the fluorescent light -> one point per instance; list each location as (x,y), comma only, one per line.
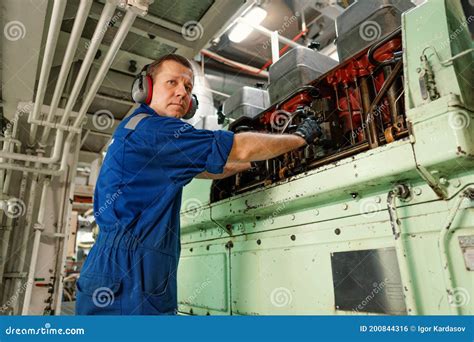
(241,30)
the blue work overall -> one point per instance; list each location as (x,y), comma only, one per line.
(131,269)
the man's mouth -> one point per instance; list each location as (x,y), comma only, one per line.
(177,104)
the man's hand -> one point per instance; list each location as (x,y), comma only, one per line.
(309,130)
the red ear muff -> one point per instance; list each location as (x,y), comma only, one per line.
(149,90)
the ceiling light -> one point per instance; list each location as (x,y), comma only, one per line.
(241,30)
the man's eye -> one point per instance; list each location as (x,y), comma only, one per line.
(189,89)
(172,82)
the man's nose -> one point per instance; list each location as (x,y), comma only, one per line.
(181,90)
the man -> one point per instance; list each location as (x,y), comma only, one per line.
(132,267)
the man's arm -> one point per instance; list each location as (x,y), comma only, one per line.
(259,146)
(230,169)
(250,146)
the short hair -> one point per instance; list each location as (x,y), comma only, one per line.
(153,67)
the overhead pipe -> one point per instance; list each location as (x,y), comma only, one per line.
(79,22)
(53,33)
(105,17)
(106,64)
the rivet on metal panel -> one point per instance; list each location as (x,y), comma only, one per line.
(443,181)
(417,191)
(457,183)
(259,242)
(378,199)
(293,217)
(316,212)
(345,206)
(293,237)
(337,231)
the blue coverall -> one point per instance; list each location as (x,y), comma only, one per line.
(131,269)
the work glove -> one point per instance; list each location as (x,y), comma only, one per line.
(309,130)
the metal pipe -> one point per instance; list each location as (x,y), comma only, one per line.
(38,228)
(24,241)
(79,22)
(53,33)
(95,42)
(443,240)
(108,59)
(402,254)
(267,32)
(367,119)
(96,39)
(349,108)
(392,97)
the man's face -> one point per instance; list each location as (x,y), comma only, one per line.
(172,88)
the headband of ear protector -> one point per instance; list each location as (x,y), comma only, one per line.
(142,91)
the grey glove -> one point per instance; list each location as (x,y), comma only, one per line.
(309,130)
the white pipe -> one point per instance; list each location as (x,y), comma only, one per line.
(79,22)
(104,19)
(64,222)
(108,59)
(24,241)
(107,13)
(38,227)
(275,46)
(267,32)
(53,34)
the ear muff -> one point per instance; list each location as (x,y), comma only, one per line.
(193,107)
(142,87)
